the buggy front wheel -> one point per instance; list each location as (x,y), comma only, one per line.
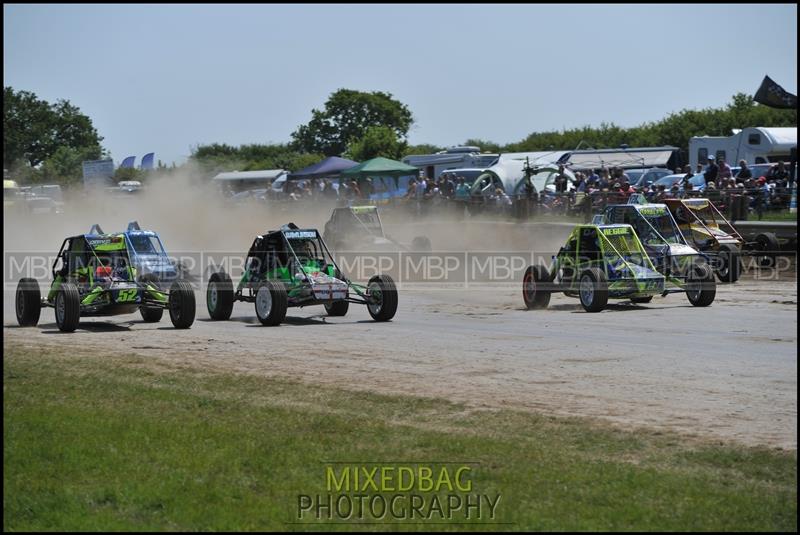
(181,304)
(68,307)
(382,298)
(271,303)
(593,290)
(701,288)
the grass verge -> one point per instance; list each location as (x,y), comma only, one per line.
(125,443)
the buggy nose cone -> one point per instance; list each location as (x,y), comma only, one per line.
(326,291)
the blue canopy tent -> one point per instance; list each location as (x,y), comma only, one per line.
(328,168)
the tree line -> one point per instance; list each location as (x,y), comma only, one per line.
(48,142)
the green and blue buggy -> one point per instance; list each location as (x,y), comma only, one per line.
(94,275)
(602,262)
(293,267)
(662,239)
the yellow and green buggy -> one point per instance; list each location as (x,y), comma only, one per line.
(602,262)
(93,276)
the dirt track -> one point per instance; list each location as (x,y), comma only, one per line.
(727,372)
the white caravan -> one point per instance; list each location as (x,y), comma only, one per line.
(754,145)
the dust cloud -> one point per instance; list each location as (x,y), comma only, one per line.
(192,215)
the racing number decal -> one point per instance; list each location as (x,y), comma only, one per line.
(127,295)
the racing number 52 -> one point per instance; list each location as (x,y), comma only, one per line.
(127,295)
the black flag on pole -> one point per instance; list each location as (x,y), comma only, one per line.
(772,95)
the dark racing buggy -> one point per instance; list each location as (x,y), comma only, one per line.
(661,238)
(359,228)
(602,262)
(94,275)
(293,267)
(709,232)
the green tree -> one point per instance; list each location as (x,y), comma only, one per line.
(377,141)
(35,130)
(216,158)
(485,145)
(65,166)
(347,116)
(423,148)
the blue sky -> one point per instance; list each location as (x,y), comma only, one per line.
(165,78)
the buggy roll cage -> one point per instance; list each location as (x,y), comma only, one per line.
(636,198)
(714,209)
(95,230)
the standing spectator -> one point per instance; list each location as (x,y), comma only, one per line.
(712,171)
(411,192)
(687,169)
(462,190)
(502,200)
(353,192)
(581,180)
(780,175)
(699,169)
(593,178)
(744,172)
(605,180)
(561,180)
(449,186)
(724,170)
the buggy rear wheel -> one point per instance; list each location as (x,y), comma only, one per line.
(383,297)
(68,307)
(767,247)
(181,304)
(337,308)
(534,287)
(729,263)
(701,287)
(28,302)
(219,296)
(150,314)
(271,303)
(593,290)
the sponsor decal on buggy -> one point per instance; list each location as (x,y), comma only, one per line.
(653,211)
(300,234)
(615,230)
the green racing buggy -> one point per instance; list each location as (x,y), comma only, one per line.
(292,267)
(663,241)
(93,275)
(602,262)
